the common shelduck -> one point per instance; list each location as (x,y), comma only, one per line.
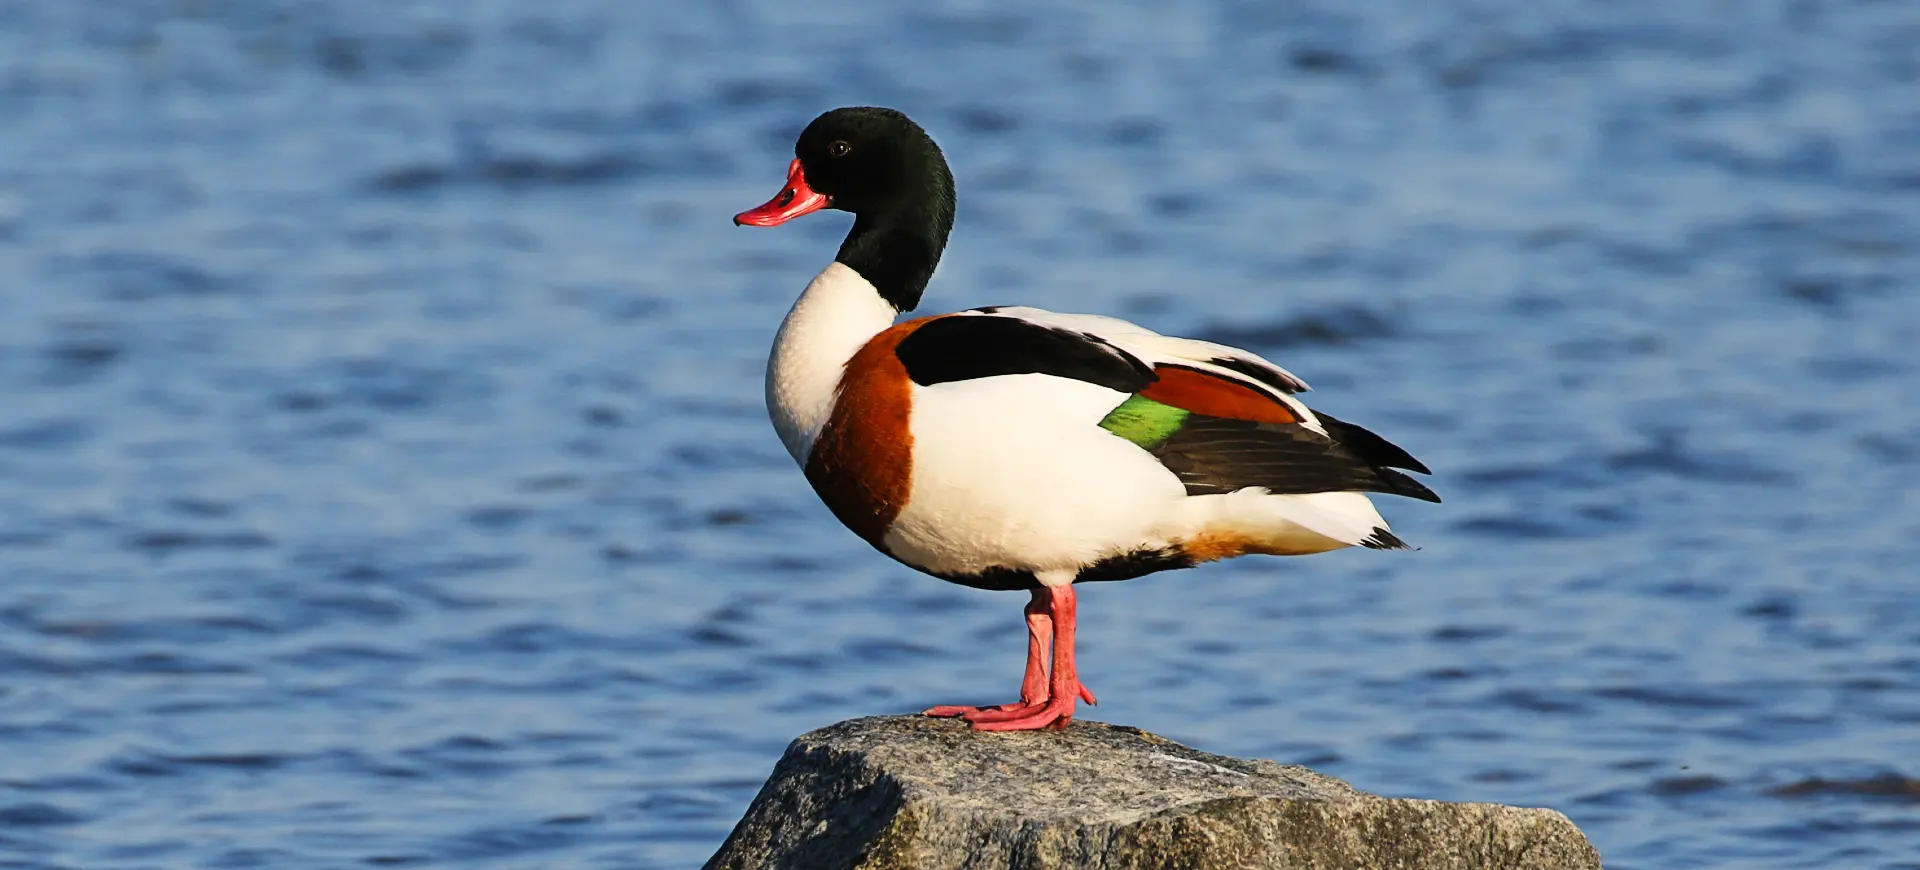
(1015,448)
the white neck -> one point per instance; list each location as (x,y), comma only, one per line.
(831,321)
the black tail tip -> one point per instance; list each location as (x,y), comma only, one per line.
(1381,539)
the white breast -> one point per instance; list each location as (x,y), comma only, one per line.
(836,315)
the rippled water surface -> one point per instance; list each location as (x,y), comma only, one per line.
(384,478)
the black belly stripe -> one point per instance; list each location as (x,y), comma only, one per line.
(1124,566)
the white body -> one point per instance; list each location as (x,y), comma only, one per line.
(1015,472)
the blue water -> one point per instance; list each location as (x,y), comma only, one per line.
(384,478)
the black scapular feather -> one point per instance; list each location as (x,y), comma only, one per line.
(964,347)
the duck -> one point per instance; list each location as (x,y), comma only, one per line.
(1012,448)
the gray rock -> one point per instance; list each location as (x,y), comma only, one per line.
(911,793)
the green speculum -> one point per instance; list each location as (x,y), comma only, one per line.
(1144,421)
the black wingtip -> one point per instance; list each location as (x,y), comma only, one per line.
(1400,484)
(1369,446)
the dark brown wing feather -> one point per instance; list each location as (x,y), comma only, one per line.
(1213,455)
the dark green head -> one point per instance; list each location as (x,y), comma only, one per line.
(881,166)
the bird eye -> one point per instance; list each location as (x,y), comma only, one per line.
(838,148)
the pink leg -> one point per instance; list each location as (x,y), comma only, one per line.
(1033,689)
(1063,684)
(1033,686)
